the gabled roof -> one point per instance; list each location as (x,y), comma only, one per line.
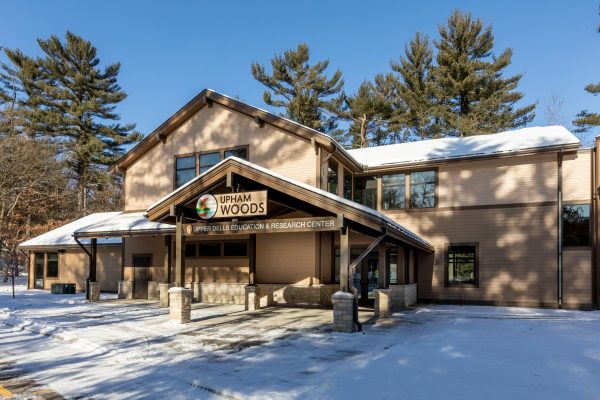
(503,143)
(109,227)
(351,210)
(207,98)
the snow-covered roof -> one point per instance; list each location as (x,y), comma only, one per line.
(515,141)
(389,221)
(110,225)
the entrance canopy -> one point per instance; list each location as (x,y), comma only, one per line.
(285,197)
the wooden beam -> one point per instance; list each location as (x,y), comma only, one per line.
(93,259)
(370,248)
(383,281)
(167,263)
(259,121)
(252,259)
(179,253)
(345,269)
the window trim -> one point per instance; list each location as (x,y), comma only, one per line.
(197,154)
(406,190)
(447,283)
(591,229)
(435,193)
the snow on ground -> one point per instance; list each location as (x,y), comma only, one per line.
(117,349)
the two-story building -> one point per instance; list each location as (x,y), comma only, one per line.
(239,204)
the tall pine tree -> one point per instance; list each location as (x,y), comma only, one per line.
(305,91)
(472,95)
(75,99)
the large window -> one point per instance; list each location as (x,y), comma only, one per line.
(235,249)
(228,248)
(208,160)
(576,225)
(365,191)
(422,189)
(461,264)
(347,185)
(185,170)
(393,192)
(210,249)
(52,265)
(332,176)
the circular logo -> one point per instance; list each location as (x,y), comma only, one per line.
(206,207)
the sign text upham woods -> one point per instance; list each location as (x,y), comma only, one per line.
(314,224)
(232,205)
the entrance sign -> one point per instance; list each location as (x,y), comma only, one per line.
(232,205)
(315,224)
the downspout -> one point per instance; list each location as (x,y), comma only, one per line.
(560,230)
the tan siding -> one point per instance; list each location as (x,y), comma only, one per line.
(288,258)
(499,181)
(153,245)
(577,278)
(517,248)
(577,176)
(151,177)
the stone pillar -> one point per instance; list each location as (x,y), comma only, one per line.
(153,291)
(343,312)
(180,305)
(382,303)
(163,290)
(94,294)
(125,290)
(252,297)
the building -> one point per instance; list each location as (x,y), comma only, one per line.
(504,219)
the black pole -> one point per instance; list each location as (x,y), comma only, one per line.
(93,260)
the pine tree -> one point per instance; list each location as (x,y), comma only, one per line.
(415,89)
(369,113)
(75,99)
(303,90)
(473,97)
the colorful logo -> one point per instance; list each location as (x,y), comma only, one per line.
(206,207)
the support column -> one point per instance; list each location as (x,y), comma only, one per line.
(180,305)
(384,276)
(93,293)
(179,252)
(167,262)
(345,259)
(252,259)
(382,293)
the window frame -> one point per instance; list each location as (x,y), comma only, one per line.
(46,263)
(410,185)
(197,155)
(447,283)
(590,229)
(404,184)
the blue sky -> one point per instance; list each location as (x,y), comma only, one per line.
(170,50)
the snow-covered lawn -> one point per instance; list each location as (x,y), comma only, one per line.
(114,349)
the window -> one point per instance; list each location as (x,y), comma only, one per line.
(365,191)
(185,170)
(347,185)
(332,176)
(462,265)
(393,192)
(208,160)
(52,265)
(576,225)
(239,153)
(190,249)
(210,249)
(235,249)
(422,189)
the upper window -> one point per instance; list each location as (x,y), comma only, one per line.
(461,265)
(393,192)
(365,191)
(422,189)
(52,265)
(576,225)
(332,176)
(347,185)
(208,160)
(185,170)
(239,153)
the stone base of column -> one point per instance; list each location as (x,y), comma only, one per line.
(125,290)
(252,293)
(343,312)
(180,305)
(153,290)
(382,303)
(94,288)
(163,294)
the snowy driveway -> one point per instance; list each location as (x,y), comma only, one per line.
(116,350)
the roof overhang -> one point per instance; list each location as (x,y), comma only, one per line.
(303,197)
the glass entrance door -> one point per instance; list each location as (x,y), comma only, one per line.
(38,271)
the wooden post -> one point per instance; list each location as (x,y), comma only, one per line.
(383,281)
(406,265)
(345,259)
(93,258)
(179,252)
(167,263)
(252,259)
